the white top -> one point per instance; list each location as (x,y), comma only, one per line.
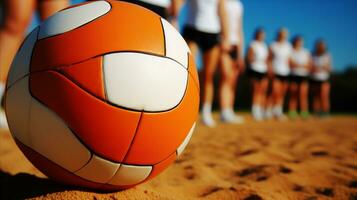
(261,53)
(281,56)
(203,15)
(235,11)
(320,62)
(301,58)
(161,3)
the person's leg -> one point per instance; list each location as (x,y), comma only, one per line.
(276,97)
(268,113)
(304,99)
(16,20)
(325,98)
(256,100)
(316,99)
(50,7)
(293,100)
(226,89)
(17,16)
(210,61)
(260,99)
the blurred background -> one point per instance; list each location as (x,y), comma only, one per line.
(334,21)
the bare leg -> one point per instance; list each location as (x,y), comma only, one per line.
(325,97)
(210,61)
(17,17)
(227,82)
(304,102)
(279,89)
(264,83)
(293,97)
(316,99)
(49,7)
(269,99)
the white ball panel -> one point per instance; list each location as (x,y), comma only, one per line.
(130,175)
(98,170)
(72,18)
(52,138)
(21,65)
(144,82)
(176,47)
(185,142)
(17,107)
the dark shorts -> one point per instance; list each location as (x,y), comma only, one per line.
(256,75)
(162,11)
(233,52)
(205,41)
(297,79)
(318,83)
(282,78)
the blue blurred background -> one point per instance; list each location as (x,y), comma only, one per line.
(332,20)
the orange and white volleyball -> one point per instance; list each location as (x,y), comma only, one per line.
(103,95)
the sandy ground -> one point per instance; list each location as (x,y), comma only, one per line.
(307,160)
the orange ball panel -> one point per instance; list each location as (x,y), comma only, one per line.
(126,27)
(88,75)
(193,70)
(160,167)
(160,134)
(105,129)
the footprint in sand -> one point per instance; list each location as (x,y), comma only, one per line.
(329,192)
(285,170)
(352,184)
(250,170)
(211,190)
(298,188)
(253,197)
(189,172)
(353,196)
(319,153)
(246,152)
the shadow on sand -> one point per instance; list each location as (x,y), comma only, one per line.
(23,186)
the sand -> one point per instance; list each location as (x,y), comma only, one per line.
(307,160)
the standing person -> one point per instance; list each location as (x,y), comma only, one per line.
(321,69)
(300,69)
(206,20)
(17,16)
(160,7)
(280,52)
(232,64)
(257,59)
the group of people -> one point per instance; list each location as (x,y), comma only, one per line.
(215,28)
(288,68)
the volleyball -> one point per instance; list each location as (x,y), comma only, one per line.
(102,95)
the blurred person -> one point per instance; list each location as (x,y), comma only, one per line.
(300,65)
(17,15)
(206,22)
(321,69)
(231,62)
(160,7)
(280,52)
(257,59)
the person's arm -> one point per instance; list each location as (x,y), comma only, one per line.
(328,66)
(270,63)
(224,24)
(240,44)
(308,65)
(292,64)
(250,55)
(176,6)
